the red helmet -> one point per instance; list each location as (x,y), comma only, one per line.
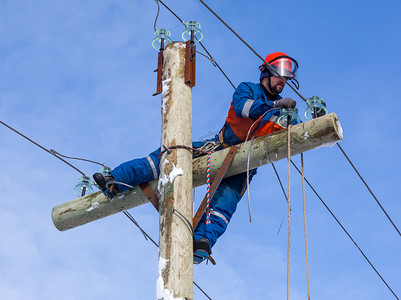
(283,65)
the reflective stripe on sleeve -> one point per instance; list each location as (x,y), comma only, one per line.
(247,108)
(273,118)
(152,164)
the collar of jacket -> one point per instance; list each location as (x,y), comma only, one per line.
(266,93)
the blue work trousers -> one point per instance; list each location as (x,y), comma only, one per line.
(222,205)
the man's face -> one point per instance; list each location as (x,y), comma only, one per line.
(276,84)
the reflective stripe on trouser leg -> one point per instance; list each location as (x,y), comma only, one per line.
(221,216)
(224,203)
(138,170)
(152,164)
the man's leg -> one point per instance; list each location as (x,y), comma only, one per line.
(138,170)
(222,207)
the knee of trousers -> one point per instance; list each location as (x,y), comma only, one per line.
(212,231)
(138,170)
(222,207)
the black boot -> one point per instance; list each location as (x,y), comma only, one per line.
(109,190)
(202,250)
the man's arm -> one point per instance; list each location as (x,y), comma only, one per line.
(247,105)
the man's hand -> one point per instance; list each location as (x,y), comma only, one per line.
(285,103)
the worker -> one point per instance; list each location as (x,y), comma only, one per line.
(254,112)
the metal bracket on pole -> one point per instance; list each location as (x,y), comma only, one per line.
(216,182)
(159,71)
(190,60)
(147,190)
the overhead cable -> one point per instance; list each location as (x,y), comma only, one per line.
(54,152)
(343,228)
(40,146)
(147,236)
(157,15)
(257,54)
(294,89)
(367,186)
(211,59)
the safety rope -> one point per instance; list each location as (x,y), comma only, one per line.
(278,75)
(289,208)
(211,59)
(247,180)
(306,239)
(208,189)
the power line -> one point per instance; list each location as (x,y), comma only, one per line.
(40,146)
(157,15)
(367,186)
(54,152)
(211,59)
(246,44)
(343,228)
(294,89)
(147,236)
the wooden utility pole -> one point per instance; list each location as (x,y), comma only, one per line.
(323,131)
(175,278)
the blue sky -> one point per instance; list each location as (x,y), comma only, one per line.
(77,77)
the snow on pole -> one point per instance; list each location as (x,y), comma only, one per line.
(175,182)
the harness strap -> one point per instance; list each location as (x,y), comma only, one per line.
(150,194)
(221,138)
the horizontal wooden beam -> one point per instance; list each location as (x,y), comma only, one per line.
(323,131)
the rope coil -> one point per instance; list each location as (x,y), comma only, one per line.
(196,152)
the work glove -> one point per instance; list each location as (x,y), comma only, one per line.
(285,103)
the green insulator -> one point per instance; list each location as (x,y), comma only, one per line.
(105,171)
(85,185)
(284,113)
(192,32)
(162,37)
(316,108)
